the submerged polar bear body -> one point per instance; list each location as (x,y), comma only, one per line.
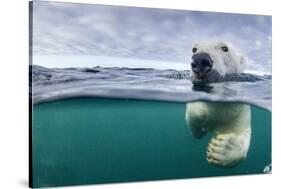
(231,125)
(230,122)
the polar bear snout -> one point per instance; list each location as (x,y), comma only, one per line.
(201,64)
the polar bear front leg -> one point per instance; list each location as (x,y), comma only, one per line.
(228,150)
(196,118)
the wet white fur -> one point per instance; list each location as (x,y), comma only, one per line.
(230,123)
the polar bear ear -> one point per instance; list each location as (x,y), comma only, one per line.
(243,62)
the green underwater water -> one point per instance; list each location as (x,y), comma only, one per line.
(97,140)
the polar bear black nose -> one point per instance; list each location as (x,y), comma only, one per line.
(201,62)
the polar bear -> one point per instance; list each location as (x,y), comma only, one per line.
(230,122)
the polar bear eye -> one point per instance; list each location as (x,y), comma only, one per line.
(224,48)
(194,50)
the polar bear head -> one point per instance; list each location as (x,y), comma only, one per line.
(212,61)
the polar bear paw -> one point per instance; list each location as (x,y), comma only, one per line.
(226,150)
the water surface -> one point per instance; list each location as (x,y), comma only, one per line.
(142,83)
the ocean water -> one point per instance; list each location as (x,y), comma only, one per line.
(100,140)
(106,125)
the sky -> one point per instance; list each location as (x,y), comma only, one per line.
(71,34)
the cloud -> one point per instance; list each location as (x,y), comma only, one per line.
(145,33)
